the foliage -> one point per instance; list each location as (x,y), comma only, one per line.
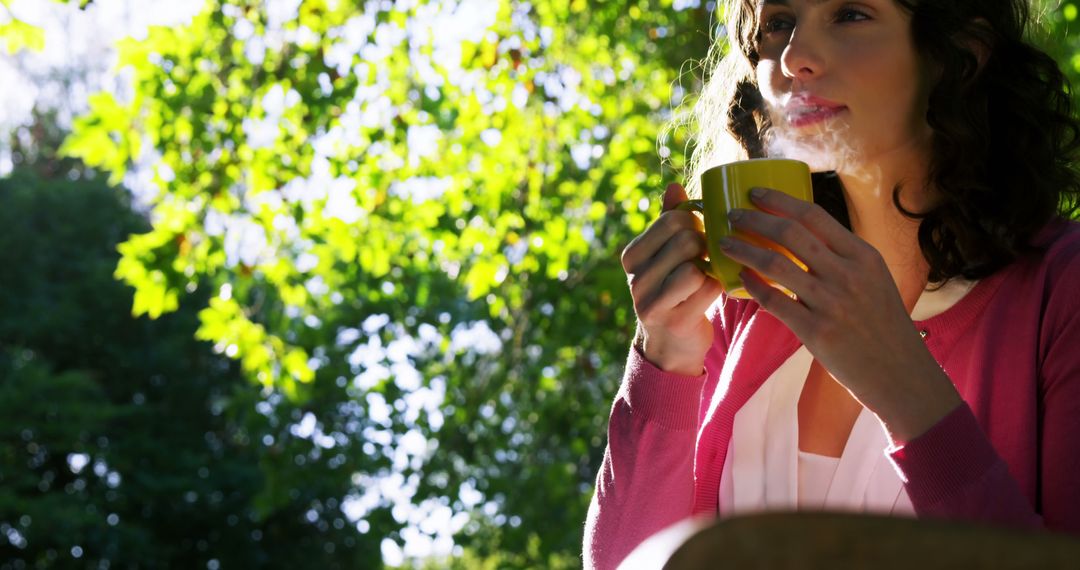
(17,35)
(413,210)
(126,440)
(1060,35)
(423,220)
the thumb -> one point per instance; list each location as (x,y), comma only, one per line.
(673,195)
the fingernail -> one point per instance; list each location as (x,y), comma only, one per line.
(735,215)
(757,192)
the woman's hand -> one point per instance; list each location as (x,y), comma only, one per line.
(670,293)
(847,310)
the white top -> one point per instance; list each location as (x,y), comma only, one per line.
(765,470)
(815,476)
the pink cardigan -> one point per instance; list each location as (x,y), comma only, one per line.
(1010,456)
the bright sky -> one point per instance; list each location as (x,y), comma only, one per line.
(78,60)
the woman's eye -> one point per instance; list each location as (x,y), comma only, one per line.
(776,24)
(850,15)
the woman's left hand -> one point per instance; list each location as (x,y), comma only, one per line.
(847,310)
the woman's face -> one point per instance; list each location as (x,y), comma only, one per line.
(842,78)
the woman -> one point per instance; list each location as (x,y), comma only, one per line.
(930,362)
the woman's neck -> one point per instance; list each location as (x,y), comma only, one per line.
(875,218)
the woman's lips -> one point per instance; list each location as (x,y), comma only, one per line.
(804,111)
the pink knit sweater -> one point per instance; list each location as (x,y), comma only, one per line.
(1010,455)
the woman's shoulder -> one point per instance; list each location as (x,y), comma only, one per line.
(1059,250)
(1047,276)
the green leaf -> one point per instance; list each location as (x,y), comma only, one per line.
(18,35)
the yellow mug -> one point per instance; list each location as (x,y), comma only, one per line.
(727,187)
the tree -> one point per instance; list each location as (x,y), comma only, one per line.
(416,208)
(424,220)
(126,440)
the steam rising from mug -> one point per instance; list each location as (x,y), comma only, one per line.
(824,146)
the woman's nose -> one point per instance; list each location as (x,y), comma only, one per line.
(802,58)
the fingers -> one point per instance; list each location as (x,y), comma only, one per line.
(673,195)
(670,222)
(677,287)
(789,311)
(681,301)
(828,249)
(659,263)
(667,278)
(703,298)
(644,247)
(811,216)
(800,241)
(774,266)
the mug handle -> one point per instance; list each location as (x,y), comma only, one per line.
(699,207)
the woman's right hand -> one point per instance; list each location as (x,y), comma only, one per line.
(670,293)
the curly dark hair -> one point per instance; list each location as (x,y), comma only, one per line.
(1004,140)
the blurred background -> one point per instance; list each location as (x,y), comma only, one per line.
(326,283)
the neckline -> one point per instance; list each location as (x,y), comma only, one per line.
(972,303)
(965,304)
(938,295)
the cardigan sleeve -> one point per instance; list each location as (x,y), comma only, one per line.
(1060,445)
(953,471)
(646,480)
(1059,377)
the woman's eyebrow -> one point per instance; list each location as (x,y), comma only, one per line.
(786,2)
